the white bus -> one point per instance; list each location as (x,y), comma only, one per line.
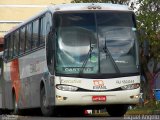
(72,57)
(1,63)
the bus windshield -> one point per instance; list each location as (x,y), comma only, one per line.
(101,42)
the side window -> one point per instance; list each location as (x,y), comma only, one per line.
(22,40)
(35,36)
(16,42)
(6,48)
(42,30)
(10,46)
(28,36)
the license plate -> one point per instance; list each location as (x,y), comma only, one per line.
(99,98)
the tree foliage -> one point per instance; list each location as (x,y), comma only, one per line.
(102,1)
(148,17)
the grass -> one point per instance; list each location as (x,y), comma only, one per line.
(151,107)
(139,112)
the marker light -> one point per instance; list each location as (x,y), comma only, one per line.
(94,7)
(89,7)
(99,7)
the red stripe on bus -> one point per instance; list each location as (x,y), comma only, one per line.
(15,77)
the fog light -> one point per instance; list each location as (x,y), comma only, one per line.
(60,98)
(135,96)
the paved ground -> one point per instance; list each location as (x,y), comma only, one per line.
(11,117)
(127,117)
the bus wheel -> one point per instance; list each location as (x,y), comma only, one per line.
(117,110)
(15,105)
(46,110)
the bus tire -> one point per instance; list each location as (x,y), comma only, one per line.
(15,105)
(117,110)
(46,110)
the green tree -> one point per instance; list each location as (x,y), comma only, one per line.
(125,2)
(148,15)
(148,19)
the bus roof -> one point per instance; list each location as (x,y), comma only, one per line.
(75,7)
(89,6)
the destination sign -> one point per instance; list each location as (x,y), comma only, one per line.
(77,69)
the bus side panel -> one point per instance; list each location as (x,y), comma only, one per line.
(7,87)
(32,69)
(25,93)
(7,96)
(1,87)
(35,87)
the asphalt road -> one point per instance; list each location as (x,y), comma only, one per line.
(32,115)
(13,117)
(127,117)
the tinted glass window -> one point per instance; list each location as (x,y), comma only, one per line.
(6,46)
(117,39)
(22,40)
(76,44)
(42,31)
(115,19)
(28,36)
(101,42)
(85,20)
(16,42)
(10,46)
(35,35)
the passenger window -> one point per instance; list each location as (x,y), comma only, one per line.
(22,40)
(28,36)
(42,31)
(10,47)
(6,48)
(35,36)
(16,42)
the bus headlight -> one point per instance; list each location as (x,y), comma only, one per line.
(131,86)
(67,88)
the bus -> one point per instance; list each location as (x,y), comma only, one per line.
(1,63)
(73,57)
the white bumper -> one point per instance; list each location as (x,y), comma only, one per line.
(85,98)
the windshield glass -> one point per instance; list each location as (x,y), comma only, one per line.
(76,36)
(117,34)
(96,43)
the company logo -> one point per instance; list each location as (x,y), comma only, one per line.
(99,85)
(98,82)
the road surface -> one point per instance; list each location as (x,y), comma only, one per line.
(15,117)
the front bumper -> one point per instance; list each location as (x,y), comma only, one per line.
(68,98)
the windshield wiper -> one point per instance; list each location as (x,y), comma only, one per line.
(86,59)
(110,56)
